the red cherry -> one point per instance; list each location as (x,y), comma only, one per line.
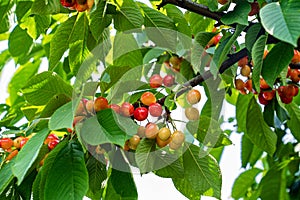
(155,81)
(101,103)
(286,99)
(52,144)
(268,95)
(169,80)
(254,9)
(264,84)
(243,61)
(23,142)
(127,109)
(67,3)
(151,130)
(295,75)
(140,114)
(262,100)
(50,138)
(115,107)
(6,143)
(296,57)
(155,110)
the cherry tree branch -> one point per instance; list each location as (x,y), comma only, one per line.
(194,7)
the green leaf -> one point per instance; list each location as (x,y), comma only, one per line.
(28,154)
(67,177)
(243,182)
(44,86)
(25,188)
(282,20)
(185,187)
(97,174)
(60,41)
(277,59)
(128,17)
(250,153)
(19,36)
(145,155)
(5,57)
(35,25)
(42,7)
(241,111)
(202,171)
(294,121)
(4,12)
(78,47)
(20,78)
(258,54)
(238,15)
(251,36)
(108,128)
(260,134)
(6,176)
(198,23)
(62,117)
(53,104)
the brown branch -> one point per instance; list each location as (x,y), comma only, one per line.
(194,7)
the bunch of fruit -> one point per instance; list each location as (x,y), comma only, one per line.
(286,91)
(79,5)
(12,147)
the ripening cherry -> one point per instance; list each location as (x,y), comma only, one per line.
(162,143)
(140,113)
(192,113)
(77,119)
(268,95)
(23,142)
(263,84)
(126,147)
(134,142)
(164,134)
(151,131)
(243,61)
(52,144)
(81,107)
(148,98)
(6,143)
(296,57)
(100,103)
(141,131)
(174,146)
(12,154)
(17,142)
(67,3)
(178,137)
(89,105)
(246,70)
(262,100)
(222,2)
(81,5)
(115,107)
(248,85)
(168,80)
(155,81)
(155,110)
(239,84)
(126,109)
(295,75)
(193,96)
(254,9)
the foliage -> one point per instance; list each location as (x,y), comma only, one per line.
(112,50)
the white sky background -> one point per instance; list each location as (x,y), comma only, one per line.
(150,186)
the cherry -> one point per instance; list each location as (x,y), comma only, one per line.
(126,109)
(155,110)
(12,154)
(192,113)
(100,103)
(141,131)
(268,95)
(288,91)
(178,137)
(90,3)
(222,2)
(80,109)
(295,75)
(193,96)
(174,146)
(169,80)
(6,143)
(239,84)
(17,142)
(50,138)
(155,81)
(254,9)
(23,142)
(134,142)
(67,3)
(115,107)
(164,133)
(77,119)
(140,113)
(151,130)
(162,143)
(126,146)
(89,105)
(246,70)
(243,61)
(52,144)
(81,5)
(175,62)
(286,99)
(263,84)
(262,100)
(248,85)
(148,98)
(296,57)
(215,40)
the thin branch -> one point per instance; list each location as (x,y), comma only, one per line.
(194,7)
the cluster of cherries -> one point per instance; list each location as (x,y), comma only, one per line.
(12,147)
(267,93)
(79,5)
(145,106)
